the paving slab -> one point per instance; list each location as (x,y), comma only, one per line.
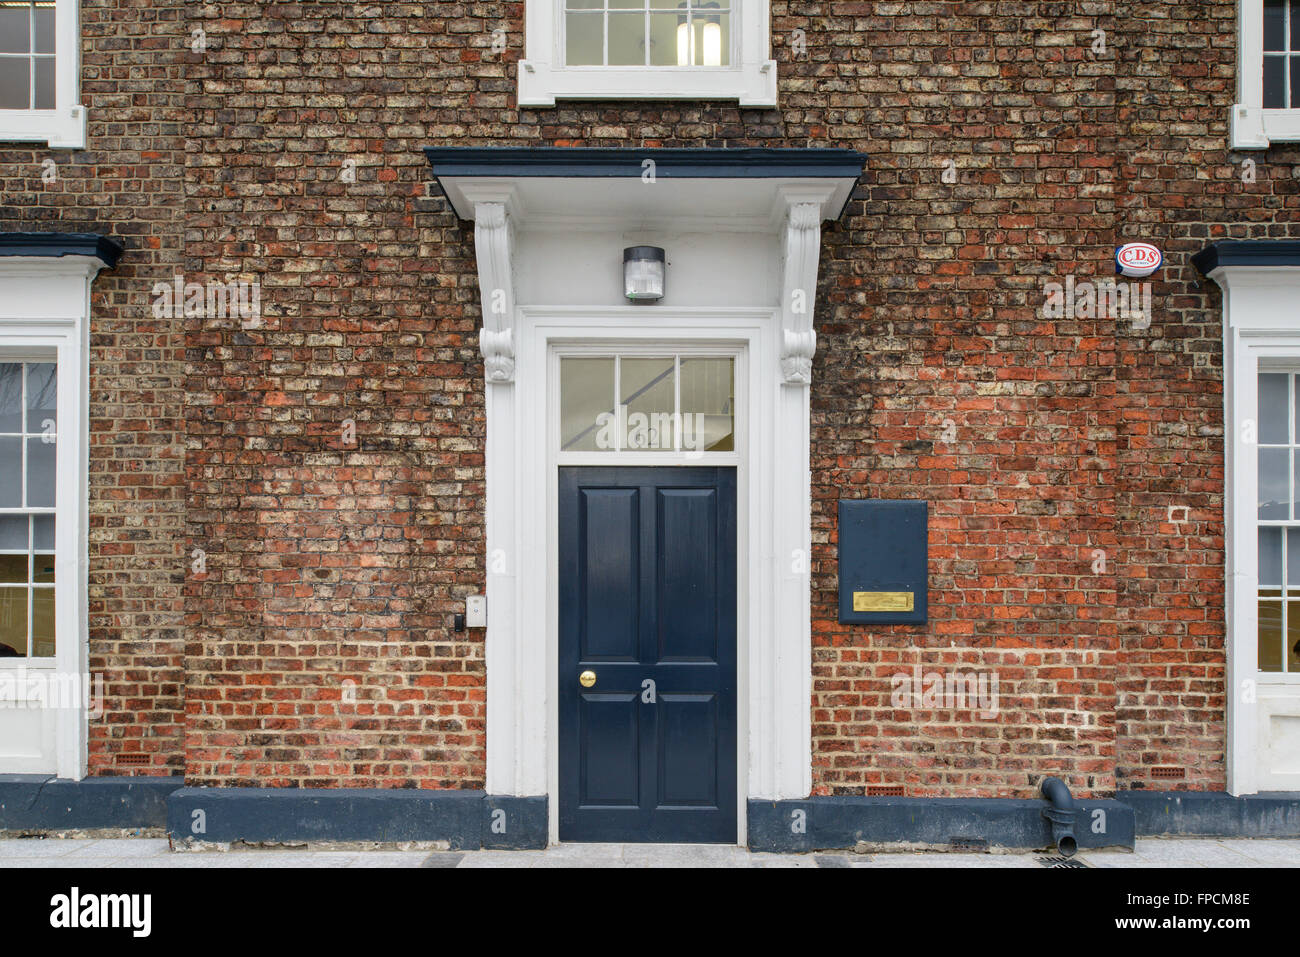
(155,853)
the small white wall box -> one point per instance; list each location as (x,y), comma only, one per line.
(476,611)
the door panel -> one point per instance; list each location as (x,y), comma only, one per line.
(611,731)
(648,603)
(687,574)
(610,574)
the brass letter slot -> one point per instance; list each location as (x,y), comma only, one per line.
(882,601)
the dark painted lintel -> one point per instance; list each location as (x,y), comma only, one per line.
(1247,252)
(105,249)
(695,163)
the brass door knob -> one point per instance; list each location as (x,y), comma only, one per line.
(587,679)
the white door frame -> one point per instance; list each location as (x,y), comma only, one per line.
(773,505)
(45,312)
(557,341)
(1259,333)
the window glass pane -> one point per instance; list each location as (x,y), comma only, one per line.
(584,39)
(42,396)
(587,418)
(708,405)
(43,532)
(15,30)
(40,473)
(43,568)
(1274,83)
(43,622)
(1274,25)
(1273,407)
(13,533)
(11,476)
(1270,561)
(627,39)
(1295,24)
(585,4)
(1293,560)
(1270,636)
(11,397)
(663,39)
(714,40)
(1295,81)
(13,622)
(627,4)
(44,94)
(13,569)
(1296,415)
(1274,483)
(15,83)
(45,29)
(1293,639)
(1295,488)
(648,392)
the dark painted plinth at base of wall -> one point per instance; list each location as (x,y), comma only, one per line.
(466,820)
(35,802)
(1214,813)
(830,823)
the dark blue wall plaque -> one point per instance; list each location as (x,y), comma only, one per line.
(883,553)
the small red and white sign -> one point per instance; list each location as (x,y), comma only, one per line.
(1137,260)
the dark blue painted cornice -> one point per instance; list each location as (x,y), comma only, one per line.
(107,250)
(694,163)
(1247,252)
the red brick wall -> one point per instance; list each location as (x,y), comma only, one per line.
(1182,187)
(1038,442)
(938,379)
(127,184)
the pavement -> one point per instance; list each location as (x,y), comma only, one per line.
(154,852)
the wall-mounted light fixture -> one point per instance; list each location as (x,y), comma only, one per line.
(709,34)
(643,273)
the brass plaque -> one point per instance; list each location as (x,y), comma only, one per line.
(882,600)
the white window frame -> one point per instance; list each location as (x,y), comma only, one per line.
(63,127)
(750,79)
(656,457)
(1251,126)
(44,312)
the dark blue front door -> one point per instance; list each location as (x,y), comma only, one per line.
(648,607)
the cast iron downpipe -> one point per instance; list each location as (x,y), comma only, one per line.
(1061,814)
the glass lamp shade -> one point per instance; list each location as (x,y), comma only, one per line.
(643,273)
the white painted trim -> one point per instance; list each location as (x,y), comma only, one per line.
(45,304)
(494,250)
(774,640)
(1259,329)
(552,342)
(774,508)
(63,127)
(543,78)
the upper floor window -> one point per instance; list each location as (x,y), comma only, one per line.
(647,49)
(1281,54)
(1268,74)
(27,56)
(40,44)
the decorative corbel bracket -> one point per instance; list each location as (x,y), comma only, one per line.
(800,249)
(494,249)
